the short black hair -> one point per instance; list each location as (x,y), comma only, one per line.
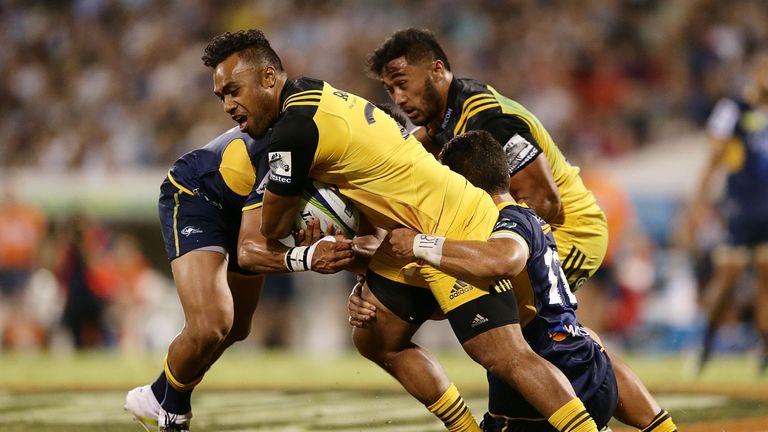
(479,158)
(251,44)
(412,43)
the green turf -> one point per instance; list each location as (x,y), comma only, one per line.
(276,391)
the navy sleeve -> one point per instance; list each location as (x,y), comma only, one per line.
(291,152)
(513,220)
(516,137)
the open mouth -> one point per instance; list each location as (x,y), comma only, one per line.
(241,120)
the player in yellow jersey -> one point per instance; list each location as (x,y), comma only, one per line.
(339,138)
(416,73)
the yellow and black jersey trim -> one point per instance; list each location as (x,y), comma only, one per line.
(572,263)
(179,185)
(472,106)
(503,285)
(307,97)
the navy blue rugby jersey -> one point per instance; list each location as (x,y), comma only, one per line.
(744,128)
(229,172)
(546,305)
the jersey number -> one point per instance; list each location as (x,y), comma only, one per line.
(556,275)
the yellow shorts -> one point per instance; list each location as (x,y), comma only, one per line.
(476,223)
(581,245)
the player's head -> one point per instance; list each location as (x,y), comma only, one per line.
(415,72)
(480,159)
(247,77)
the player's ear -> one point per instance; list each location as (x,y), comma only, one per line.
(437,70)
(268,77)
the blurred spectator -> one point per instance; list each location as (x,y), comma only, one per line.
(22,230)
(121,78)
(130,299)
(613,301)
(87,277)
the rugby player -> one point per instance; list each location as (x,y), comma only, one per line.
(738,133)
(202,200)
(333,136)
(416,73)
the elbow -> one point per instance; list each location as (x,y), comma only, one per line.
(504,267)
(552,209)
(245,259)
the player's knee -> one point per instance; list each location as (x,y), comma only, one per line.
(240,331)
(366,346)
(208,332)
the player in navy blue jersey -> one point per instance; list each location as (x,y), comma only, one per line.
(528,262)
(521,253)
(202,200)
(738,131)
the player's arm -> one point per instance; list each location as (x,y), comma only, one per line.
(259,254)
(530,180)
(365,244)
(291,151)
(720,128)
(495,258)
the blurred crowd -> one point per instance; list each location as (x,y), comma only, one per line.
(104,85)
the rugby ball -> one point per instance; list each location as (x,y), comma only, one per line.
(326,203)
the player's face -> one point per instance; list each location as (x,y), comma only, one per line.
(412,88)
(247,94)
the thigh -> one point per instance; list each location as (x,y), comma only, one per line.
(390,332)
(201,282)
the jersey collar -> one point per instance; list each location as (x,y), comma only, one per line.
(288,89)
(450,106)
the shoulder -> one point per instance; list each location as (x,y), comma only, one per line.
(302,95)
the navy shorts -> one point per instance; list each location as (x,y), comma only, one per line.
(748,232)
(189,222)
(510,412)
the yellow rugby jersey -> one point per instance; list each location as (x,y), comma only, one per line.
(473,105)
(341,139)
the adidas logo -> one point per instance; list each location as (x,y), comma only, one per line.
(479,319)
(459,288)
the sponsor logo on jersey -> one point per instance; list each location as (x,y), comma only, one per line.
(263,185)
(562,331)
(504,224)
(477,320)
(189,230)
(280,167)
(579,282)
(519,152)
(446,119)
(459,288)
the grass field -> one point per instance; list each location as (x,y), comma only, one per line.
(286,392)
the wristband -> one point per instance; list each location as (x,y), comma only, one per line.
(299,259)
(296,259)
(429,248)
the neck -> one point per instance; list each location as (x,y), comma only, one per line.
(443,88)
(502,197)
(279,85)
